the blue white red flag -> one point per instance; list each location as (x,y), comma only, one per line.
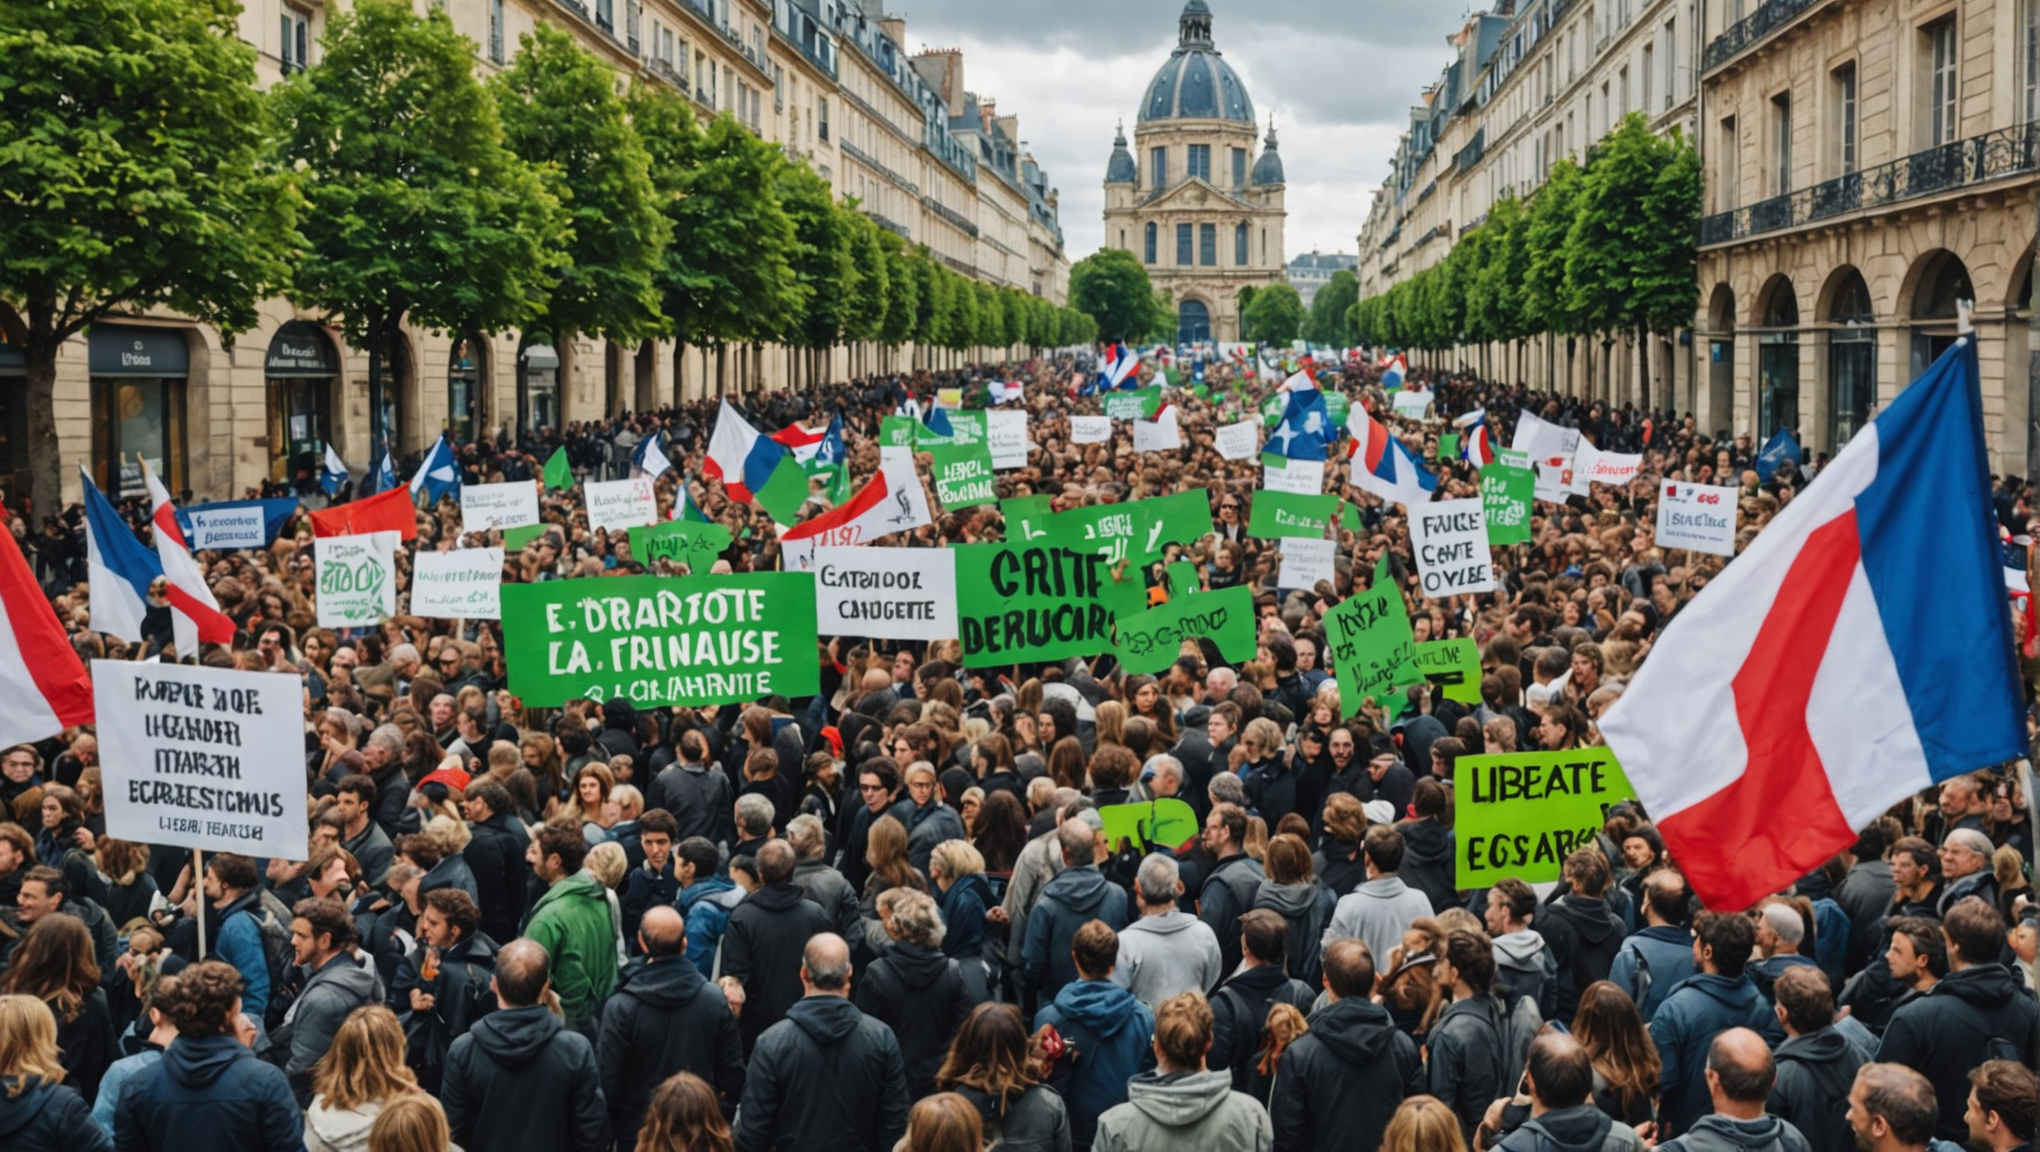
(1393,372)
(1857,652)
(43,686)
(119,568)
(1475,443)
(195,616)
(1382,465)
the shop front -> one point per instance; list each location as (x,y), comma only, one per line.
(138,406)
(13,425)
(301,369)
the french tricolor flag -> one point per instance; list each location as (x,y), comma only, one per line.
(1857,652)
(119,568)
(194,615)
(1119,366)
(43,686)
(1393,371)
(1382,465)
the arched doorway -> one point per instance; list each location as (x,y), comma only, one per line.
(1940,281)
(1851,358)
(1193,322)
(464,376)
(1720,412)
(1778,360)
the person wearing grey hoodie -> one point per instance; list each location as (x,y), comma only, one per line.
(1563,1117)
(1293,892)
(337,982)
(1079,893)
(1379,911)
(1740,1072)
(1181,1105)
(1167,951)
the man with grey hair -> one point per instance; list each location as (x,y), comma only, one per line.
(1218,685)
(1167,951)
(1161,778)
(1225,788)
(822,884)
(827,1076)
(384,753)
(404,662)
(762,945)
(1078,894)
(754,823)
(1965,868)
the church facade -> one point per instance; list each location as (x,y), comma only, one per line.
(1194,199)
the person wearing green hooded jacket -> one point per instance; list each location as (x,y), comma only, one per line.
(572,922)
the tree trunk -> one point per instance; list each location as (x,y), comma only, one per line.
(1643,343)
(45,470)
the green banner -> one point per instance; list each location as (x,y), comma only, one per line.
(1150,641)
(1049,598)
(897,431)
(1520,813)
(1452,667)
(1369,642)
(1280,514)
(964,428)
(1168,822)
(1353,519)
(1137,531)
(1140,405)
(516,538)
(1337,407)
(688,542)
(1165,520)
(1505,495)
(1448,446)
(963,475)
(662,640)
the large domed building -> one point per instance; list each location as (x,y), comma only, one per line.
(1192,200)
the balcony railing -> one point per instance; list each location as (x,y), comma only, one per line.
(1743,36)
(1977,160)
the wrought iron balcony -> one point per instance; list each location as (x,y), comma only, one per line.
(1963,163)
(1745,35)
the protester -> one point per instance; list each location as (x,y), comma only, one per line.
(1241,1008)
(663,1021)
(55,965)
(1109,1030)
(1079,894)
(1340,1083)
(913,988)
(1816,1063)
(571,923)
(764,942)
(990,1065)
(1560,1076)
(684,1115)
(1892,1109)
(521,1079)
(38,1113)
(1181,1103)
(209,1091)
(1167,951)
(360,1074)
(1717,998)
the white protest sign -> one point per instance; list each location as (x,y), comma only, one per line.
(886,593)
(1090,429)
(1450,540)
(1239,441)
(1593,466)
(620,504)
(1006,436)
(206,758)
(1543,439)
(463,585)
(238,525)
(1412,405)
(1305,562)
(357,578)
(510,505)
(1697,517)
(1158,435)
(1302,477)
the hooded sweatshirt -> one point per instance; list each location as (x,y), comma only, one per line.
(46,1117)
(1427,862)
(572,922)
(827,1078)
(211,1092)
(1339,1084)
(1377,912)
(1699,1009)
(1167,955)
(665,1019)
(1307,908)
(1524,962)
(1958,1025)
(1585,934)
(339,1130)
(1075,897)
(1185,1111)
(963,916)
(1815,1073)
(1717,1133)
(521,1080)
(1652,963)
(1584,1128)
(340,986)
(1112,1032)
(919,993)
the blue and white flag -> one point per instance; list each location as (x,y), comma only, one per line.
(650,457)
(1780,448)
(118,566)
(1306,431)
(334,472)
(439,475)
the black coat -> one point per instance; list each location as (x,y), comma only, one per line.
(460,996)
(520,1081)
(1428,865)
(1815,1073)
(762,948)
(1239,1011)
(392,796)
(665,1019)
(827,1078)
(48,1117)
(87,1044)
(1584,934)
(1951,1029)
(921,995)
(1340,1083)
(496,857)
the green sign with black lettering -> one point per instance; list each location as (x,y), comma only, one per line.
(1150,641)
(1520,813)
(1048,598)
(689,542)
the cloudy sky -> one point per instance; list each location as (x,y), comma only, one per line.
(1339,76)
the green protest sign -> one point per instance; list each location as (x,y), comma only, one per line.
(1505,495)
(660,640)
(1509,457)
(1453,667)
(1168,822)
(1176,519)
(1136,531)
(1025,514)
(1280,514)
(688,542)
(1353,518)
(964,428)
(1140,405)
(1048,598)
(1337,407)
(1520,813)
(1150,641)
(1273,407)
(963,475)
(897,431)
(1372,651)
(516,538)
(1448,446)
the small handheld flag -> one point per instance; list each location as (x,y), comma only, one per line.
(558,473)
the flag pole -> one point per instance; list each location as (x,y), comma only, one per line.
(198,881)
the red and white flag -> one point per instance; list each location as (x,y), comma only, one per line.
(194,614)
(893,501)
(43,686)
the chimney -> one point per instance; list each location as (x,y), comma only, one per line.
(896,28)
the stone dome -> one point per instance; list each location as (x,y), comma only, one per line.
(1195,83)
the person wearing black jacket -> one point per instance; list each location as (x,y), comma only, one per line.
(1816,1064)
(665,1019)
(385,755)
(696,791)
(913,988)
(1341,1082)
(1585,934)
(1428,865)
(762,945)
(1229,888)
(209,1090)
(521,1080)
(1193,751)
(495,854)
(1239,1009)
(1340,863)
(439,1010)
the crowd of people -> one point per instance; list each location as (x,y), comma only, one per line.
(889,916)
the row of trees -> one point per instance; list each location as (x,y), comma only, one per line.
(389,185)
(1602,250)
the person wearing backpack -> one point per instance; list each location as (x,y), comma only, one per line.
(234,924)
(1239,1009)
(1229,888)
(337,982)
(1563,1118)
(1108,1031)
(1293,892)
(1653,962)
(1524,964)
(1338,1085)
(1816,1063)
(1467,1043)
(442,987)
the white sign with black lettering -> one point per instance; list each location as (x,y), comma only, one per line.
(1450,540)
(466,584)
(1006,436)
(206,758)
(1300,477)
(357,578)
(1239,441)
(1305,562)
(886,593)
(620,504)
(1090,429)
(1697,517)
(509,505)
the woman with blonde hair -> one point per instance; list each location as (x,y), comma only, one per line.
(1423,1124)
(36,1113)
(608,863)
(1111,723)
(414,1123)
(945,1122)
(360,1074)
(55,963)
(684,1116)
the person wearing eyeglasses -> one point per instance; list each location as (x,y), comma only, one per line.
(1231,526)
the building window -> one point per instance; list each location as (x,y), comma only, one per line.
(1239,245)
(1845,118)
(821,118)
(605,15)
(1183,253)
(495,31)
(1239,164)
(1264,245)
(297,37)
(1731,165)
(1200,161)
(1622,88)
(1207,244)
(1941,83)
(778,89)
(2029,70)
(1151,230)
(1649,54)
(1158,167)
(1781,140)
